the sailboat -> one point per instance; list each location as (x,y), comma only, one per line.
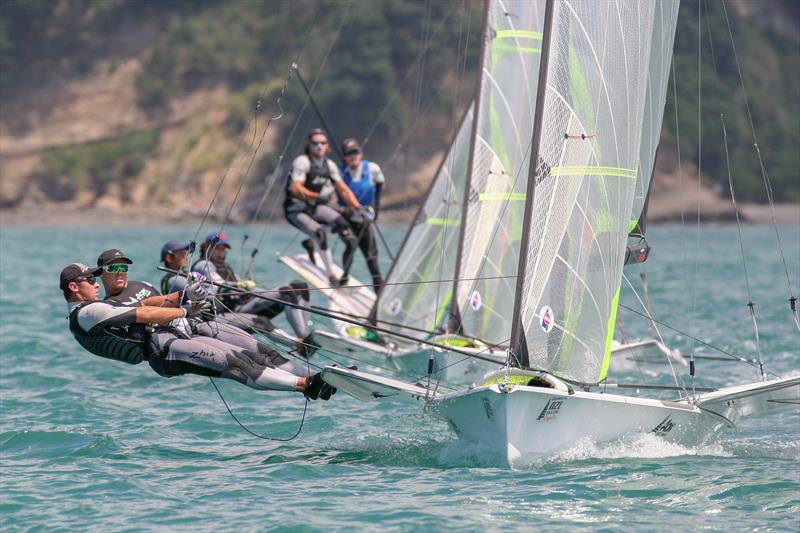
(447,246)
(599,81)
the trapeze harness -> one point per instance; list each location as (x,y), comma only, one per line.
(316,178)
(114,336)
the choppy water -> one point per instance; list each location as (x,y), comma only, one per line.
(87,443)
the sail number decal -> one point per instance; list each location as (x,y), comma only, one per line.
(395,306)
(475,301)
(546,319)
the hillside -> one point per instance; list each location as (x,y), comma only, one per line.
(128,105)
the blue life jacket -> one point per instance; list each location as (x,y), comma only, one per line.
(362,189)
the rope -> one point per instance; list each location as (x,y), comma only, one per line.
(764,175)
(262,437)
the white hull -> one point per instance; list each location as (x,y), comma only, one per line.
(521,424)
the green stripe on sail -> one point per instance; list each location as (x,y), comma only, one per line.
(518,34)
(612,320)
(593,171)
(510,48)
(436,221)
(632,225)
(495,196)
(443,308)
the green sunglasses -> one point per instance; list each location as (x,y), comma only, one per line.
(116,268)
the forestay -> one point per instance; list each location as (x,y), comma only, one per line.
(413,295)
(494,206)
(595,108)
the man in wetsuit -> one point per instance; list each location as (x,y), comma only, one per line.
(114,264)
(310,186)
(245,309)
(365,179)
(133,334)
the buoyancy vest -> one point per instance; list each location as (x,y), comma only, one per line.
(133,294)
(129,344)
(363,189)
(316,178)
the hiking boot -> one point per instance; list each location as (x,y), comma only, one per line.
(317,389)
(308,244)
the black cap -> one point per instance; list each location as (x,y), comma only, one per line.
(350,146)
(109,256)
(73,271)
(173,246)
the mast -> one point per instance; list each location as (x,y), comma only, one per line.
(517,345)
(454,318)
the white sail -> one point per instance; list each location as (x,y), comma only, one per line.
(586,180)
(493,221)
(413,295)
(666,18)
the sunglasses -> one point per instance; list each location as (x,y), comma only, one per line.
(116,268)
(90,281)
(352,152)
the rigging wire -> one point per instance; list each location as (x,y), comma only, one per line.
(678,382)
(275,176)
(700,341)
(750,303)
(693,314)
(764,175)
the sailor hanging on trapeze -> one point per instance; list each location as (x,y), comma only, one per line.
(311,185)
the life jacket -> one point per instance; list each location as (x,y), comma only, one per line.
(133,294)
(363,189)
(316,179)
(129,344)
(165,283)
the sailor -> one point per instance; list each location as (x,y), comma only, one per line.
(114,264)
(135,334)
(310,187)
(175,256)
(257,308)
(366,180)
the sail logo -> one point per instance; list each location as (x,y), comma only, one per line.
(395,306)
(547,319)
(551,409)
(475,301)
(664,427)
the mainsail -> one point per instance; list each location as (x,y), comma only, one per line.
(504,108)
(413,295)
(588,158)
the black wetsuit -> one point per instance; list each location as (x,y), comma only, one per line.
(110,330)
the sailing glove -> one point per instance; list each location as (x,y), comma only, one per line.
(197,291)
(367,213)
(196,308)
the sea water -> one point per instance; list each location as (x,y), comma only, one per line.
(92,444)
